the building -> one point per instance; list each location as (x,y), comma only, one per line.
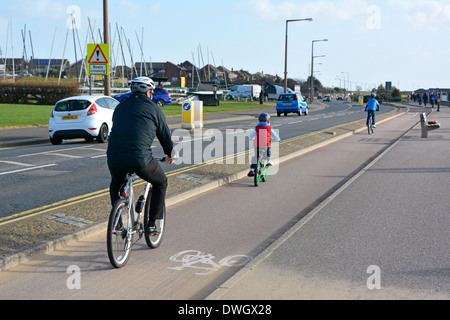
(40,66)
(168,70)
(16,64)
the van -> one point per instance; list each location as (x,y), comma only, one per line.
(244,91)
(272,92)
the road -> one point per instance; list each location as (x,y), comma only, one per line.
(208,237)
(41,172)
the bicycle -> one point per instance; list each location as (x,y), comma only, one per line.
(262,169)
(125,221)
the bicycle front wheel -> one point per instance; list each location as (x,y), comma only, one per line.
(265,173)
(154,239)
(119,236)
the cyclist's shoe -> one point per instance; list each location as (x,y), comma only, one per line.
(374,126)
(269,163)
(152,231)
(251,173)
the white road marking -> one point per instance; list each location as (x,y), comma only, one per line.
(27,169)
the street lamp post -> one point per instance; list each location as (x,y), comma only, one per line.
(106,79)
(348,88)
(311,95)
(285,51)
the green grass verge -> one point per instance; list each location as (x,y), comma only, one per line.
(22,115)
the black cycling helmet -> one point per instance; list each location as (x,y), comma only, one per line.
(264,117)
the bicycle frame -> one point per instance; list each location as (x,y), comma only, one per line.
(261,166)
(130,198)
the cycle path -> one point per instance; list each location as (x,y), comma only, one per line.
(383,235)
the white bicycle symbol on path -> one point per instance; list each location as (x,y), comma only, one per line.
(204,261)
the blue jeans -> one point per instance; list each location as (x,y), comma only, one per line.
(370,113)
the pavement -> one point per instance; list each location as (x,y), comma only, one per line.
(268,275)
(414,250)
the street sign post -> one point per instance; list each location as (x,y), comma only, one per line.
(98,59)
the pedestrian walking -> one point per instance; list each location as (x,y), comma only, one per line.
(425,99)
(432,99)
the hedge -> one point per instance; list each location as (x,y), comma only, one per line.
(35,92)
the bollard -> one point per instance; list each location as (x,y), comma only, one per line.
(427,126)
(188,115)
(198,114)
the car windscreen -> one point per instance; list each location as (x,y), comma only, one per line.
(72,105)
(289,97)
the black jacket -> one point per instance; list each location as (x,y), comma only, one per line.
(136,122)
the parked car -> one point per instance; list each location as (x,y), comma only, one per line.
(291,103)
(88,117)
(160,96)
(340,97)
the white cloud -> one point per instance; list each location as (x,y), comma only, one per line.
(47,9)
(344,10)
(425,13)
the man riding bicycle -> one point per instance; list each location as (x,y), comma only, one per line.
(371,106)
(136,123)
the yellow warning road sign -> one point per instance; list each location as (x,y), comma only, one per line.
(98,59)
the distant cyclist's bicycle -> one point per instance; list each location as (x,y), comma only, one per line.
(370,127)
(126,221)
(262,168)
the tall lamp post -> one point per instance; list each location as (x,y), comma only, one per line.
(285,51)
(348,81)
(311,95)
(106,79)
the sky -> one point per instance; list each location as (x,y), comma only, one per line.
(406,42)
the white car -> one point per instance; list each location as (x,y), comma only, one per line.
(88,117)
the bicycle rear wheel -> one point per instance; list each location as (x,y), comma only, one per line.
(154,240)
(257,177)
(119,236)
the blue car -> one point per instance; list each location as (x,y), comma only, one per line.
(160,96)
(291,103)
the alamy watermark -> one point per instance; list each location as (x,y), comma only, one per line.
(74,280)
(73,21)
(374,20)
(374,280)
(212,146)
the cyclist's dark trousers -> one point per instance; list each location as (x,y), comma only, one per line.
(370,113)
(152,173)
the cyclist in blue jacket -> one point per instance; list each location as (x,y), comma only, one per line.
(371,107)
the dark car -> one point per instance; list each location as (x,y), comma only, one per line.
(160,96)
